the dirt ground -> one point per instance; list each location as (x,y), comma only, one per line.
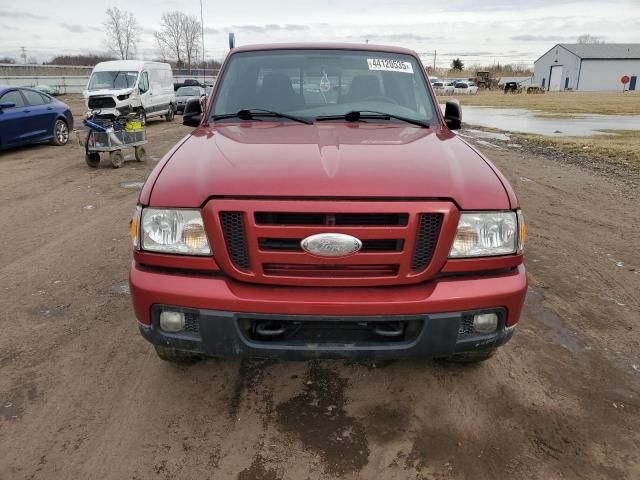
(83,396)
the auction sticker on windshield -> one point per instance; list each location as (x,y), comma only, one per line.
(389,65)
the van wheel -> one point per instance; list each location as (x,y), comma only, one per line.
(141,154)
(172,355)
(60,133)
(92,159)
(170,114)
(117,159)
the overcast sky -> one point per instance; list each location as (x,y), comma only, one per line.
(478,31)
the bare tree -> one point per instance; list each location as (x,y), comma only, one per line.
(191,37)
(587,38)
(170,38)
(122,33)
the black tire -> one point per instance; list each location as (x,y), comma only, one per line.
(117,159)
(60,133)
(170,114)
(141,154)
(92,159)
(172,355)
(473,357)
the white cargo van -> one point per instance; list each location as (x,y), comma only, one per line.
(146,87)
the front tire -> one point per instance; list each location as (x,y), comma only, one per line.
(92,159)
(117,159)
(170,114)
(179,357)
(60,133)
(141,154)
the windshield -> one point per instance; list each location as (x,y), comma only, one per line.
(314,83)
(114,80)
(188,92)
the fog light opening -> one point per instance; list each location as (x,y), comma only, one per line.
(485,322)
(171,321)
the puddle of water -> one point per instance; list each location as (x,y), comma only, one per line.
(132,185)
(533,121)
(487,135)
(121,288)
(555,327)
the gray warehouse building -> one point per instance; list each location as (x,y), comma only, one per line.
(588,67)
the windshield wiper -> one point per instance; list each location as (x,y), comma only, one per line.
(254,113)
(357,115)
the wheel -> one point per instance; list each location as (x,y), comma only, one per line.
(141,154)
(472,357)
(60,133)
(92,159)
(117,159)
(172,355)
(170,114)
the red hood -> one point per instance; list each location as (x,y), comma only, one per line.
(326,160)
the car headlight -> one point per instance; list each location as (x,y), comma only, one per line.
(179,231)
(486,234)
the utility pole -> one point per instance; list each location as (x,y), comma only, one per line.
(204,62)
(23,55)
(435,54)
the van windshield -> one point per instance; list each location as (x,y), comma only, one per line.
(113,80)
(315,83)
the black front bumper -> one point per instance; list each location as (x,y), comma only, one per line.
(230,334)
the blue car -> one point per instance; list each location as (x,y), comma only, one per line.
(29,116)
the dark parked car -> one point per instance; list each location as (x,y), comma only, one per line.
(28,116)
(184,94)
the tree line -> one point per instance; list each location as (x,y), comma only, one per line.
(178,39)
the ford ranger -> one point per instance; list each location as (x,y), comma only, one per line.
(323,208)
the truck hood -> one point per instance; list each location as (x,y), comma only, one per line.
(356,160)
(107,91)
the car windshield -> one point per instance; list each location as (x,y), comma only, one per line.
(188,92)
(315,83)
(114,80)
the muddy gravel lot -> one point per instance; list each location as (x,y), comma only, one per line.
(83,396)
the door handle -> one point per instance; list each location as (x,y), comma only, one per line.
(49,108)
(26,111)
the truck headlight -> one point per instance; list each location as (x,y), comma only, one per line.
(179,231)
(486,234)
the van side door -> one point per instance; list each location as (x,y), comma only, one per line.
(146,95)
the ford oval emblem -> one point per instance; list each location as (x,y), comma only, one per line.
(331,245)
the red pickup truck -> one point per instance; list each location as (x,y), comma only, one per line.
(323,207)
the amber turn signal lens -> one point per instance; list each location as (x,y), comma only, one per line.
(194,237)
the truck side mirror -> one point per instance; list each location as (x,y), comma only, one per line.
(192,114)
(453,115)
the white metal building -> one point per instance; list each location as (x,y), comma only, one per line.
(589,67)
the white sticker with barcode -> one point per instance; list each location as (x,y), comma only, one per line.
(389,65)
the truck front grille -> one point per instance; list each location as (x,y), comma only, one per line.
(259,240)
(233,228)
(426,238)
(97,102)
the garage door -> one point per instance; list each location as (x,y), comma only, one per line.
(555,82)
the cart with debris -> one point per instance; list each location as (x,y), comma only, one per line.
(113,136)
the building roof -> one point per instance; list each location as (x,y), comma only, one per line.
(604,50)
